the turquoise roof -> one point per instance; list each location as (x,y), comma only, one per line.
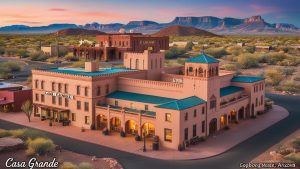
(182,104)
(202,58)
(230,90)
(247,79)
(81,72)
(139,97)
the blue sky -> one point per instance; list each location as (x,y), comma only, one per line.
(38,12)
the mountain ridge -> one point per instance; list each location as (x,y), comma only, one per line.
(226,25)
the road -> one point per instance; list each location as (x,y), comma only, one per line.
(243,152)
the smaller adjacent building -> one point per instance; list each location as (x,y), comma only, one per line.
(54,50)
(12,96)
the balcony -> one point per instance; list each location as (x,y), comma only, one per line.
(151,114)
(233,101)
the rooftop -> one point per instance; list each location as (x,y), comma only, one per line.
(182,104)
(4,85)
(247,79)
(230,90)
(82,72)
(139,97)
(202,58)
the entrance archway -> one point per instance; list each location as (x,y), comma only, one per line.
(223,121)
(233,115)
(149,128)
(241,113)
(131,127)
(115,124)
(213,126)
(101,122)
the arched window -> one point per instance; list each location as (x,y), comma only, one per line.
(213,102)
(190,69)
(137,63)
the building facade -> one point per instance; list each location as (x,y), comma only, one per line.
(113,46)
(176,104)
(54,50)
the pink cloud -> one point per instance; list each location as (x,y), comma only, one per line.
(258,9)
(57,9)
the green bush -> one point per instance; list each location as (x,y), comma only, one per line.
(4,133)
(288,71)
(38,56)
(284,150)
(40,146)
(295,157)
(248,61)
(290,61)
(296,144)
(216,52)
(68,165)
(85,165)
(230,67)
(289,86)
(174,52)
(26,133)
(250,49)
(273,77)
(234,50)
(276,57)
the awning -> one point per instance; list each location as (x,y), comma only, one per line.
(51,108)
(6,102)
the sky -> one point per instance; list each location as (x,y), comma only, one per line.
(42,12)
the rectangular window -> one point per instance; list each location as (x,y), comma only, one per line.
(195,113)
(78,90)
(73,117)
(203,126)
(87,120)
(98,91)
(146,107)
(186,133)
(213,104)
(36,97)
(168,135)
(116,103)
(60,101)
(42,98)
(86,91)
(86,106)
(66,102)
(203,110)
(66,88)
(168,117)
(59,87)
(42,84)
(78,105)
(186,116)
(194,130)
(36,84)
(107,89)
(53,100)
(53,86)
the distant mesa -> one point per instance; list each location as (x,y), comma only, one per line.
(77,31)
(183,31)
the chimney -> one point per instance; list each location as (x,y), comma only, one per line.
(91,66)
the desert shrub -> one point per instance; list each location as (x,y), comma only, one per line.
(189,46)
(229,67)
(216,52)
(296,144)
(284,150)
(234,50)
(85,165)
(68,165)
(10,51)
(4,133)
(247,61)
(174,52)
(23,53)
(297,78)
(290,61)
(273,77)
(53,60)
(295,157)
(287,71)
(289,86)
(9,66)
(17,133)
(38,56)
(250,49)
(275,57)
(2,51)
(26,133)
(40,146)
(71,57)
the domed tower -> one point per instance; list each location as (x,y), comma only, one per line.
(202,66)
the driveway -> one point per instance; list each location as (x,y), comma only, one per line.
(243,152)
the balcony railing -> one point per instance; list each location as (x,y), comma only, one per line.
(233,101)
(128,110)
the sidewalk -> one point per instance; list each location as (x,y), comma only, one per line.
(221,142)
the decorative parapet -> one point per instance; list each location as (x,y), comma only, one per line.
(140,82)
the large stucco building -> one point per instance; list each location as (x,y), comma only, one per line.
(173,103)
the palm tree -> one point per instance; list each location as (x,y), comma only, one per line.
(27,109)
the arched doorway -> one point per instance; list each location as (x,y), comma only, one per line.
(223,121)
(213,126)
(101,122)
(131,127)
(241,113)
(233,115)
(115,124)
(149,129)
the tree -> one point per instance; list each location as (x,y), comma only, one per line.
(27,109)
(189,46)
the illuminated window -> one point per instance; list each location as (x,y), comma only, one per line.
(168,135)
(168,117)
